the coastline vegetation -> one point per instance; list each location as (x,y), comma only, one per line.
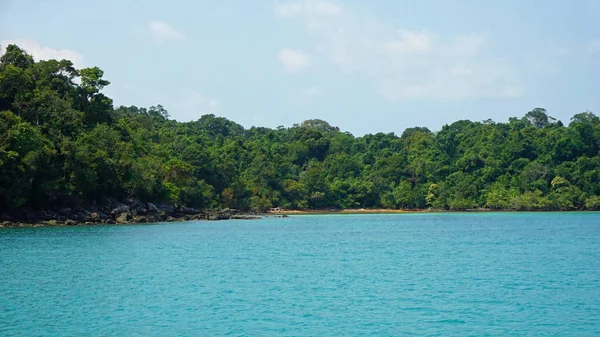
(64,144)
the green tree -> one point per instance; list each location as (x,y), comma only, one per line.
(539,118)
(62,143)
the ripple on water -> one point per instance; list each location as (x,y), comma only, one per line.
(422,274)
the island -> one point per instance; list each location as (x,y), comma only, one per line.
(69,156)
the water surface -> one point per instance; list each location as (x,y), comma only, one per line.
(505,274)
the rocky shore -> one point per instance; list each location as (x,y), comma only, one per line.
(115,212)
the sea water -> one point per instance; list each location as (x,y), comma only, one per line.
(503,274)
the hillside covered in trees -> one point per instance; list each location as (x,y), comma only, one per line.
(64,144)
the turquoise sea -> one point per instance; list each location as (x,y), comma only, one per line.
(485,274)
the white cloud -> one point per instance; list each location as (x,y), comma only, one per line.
(593,46)
(409,42)
(327,8)
(308,7)
(183,105)
(288,9)
(293,61)
(189,105)
(160,32)
(44,53)
(404,63)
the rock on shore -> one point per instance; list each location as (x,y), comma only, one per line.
(115,212)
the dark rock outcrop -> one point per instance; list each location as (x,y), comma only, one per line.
(152,209)
(120,209)
(112,211)
(84,216)
(187,210)
(165,208)
(244,217)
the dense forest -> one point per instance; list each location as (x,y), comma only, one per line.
(63,143)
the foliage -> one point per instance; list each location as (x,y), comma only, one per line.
(64,144)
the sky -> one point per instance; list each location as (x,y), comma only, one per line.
(364,66)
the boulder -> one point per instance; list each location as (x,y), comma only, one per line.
(137,207)
(188,210)
(165,208)
(124,218)
(95,217)
(140,219)
(120,209)
(229,211)
(153,218)
(46,215)
(139,210)
(70,222)
(112,203)
(244,217)
(84,216)
(152,208)
(133,201)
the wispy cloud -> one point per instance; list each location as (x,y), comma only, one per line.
(288,9)
(188,105)
(317,8)
(183,104)
(160,32)
(403,63)
(293,61)
(44,53)
(593,47)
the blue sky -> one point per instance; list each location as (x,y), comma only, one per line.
(365,66)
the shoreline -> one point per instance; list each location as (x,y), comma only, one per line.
(19,224)
(72,223)
(221,215)
(345,211)
(114,212)
(409,211)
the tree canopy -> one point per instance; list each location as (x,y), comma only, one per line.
(63,143)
